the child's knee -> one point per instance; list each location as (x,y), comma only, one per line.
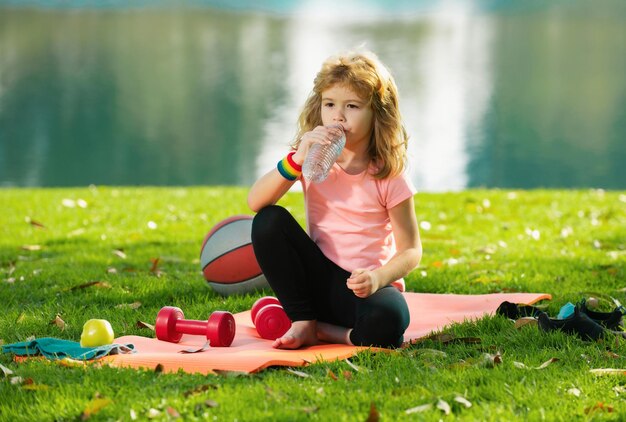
(266,222)
(382,325)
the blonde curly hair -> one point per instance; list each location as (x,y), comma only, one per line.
(367,76)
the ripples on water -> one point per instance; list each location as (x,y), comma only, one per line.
(493,94)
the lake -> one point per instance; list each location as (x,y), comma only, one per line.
(494,94)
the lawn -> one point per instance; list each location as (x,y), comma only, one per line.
(69,255)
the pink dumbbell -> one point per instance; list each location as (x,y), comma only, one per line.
(171,325)
(269,318)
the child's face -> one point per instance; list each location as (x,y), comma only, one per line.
(341,105)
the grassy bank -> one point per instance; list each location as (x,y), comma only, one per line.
(142,246)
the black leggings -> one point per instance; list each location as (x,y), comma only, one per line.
(312,287)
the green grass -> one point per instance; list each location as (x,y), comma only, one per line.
(566,243)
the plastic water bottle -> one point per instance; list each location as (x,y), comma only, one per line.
(321,158)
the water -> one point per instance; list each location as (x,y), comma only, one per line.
(495,94)
(320,158)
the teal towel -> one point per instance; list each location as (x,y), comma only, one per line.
(566,311)
(54,348)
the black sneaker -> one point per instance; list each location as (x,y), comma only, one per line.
(610,320)
(577,323)
(516,311)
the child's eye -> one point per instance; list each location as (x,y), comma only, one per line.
(353,106)
(328,105)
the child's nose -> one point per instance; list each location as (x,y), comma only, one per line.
(339,115)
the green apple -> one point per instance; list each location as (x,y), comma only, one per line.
(96,332)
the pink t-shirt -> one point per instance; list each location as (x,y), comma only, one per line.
(348,217)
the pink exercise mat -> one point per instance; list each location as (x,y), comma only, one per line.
(250,353)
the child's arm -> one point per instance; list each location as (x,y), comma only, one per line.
(272,186)
(408,255)
(268,190)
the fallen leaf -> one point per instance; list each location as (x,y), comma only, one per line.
(173,412)
(133,305)
(16,380)
(5,371)
(533,233)
(155,267)
(309,410)
(201,349)
(58,322)
(608,371)
(34,387)
(77,232)
(153,413)
(430,353)
(444,406)
(526,321)
(332,375)
(11,267)
(491,360)
(619,389)
(544,365)
(574,392)
(68,203)
(353,366)
(93,407)
(70,363)
(373,416)
(100,284)
(210,403)
(298,373)
(141,324)
(599,406)
(463,401)
(199,389)
(548,362)
(488,250)
(31,247)
(347,375)
(111,270)
(419,409)
(119,253)
(35,223)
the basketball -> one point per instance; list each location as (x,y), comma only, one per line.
(227,258)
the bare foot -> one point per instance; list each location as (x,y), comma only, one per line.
(333,333)
(301,333)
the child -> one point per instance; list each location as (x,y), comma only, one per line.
(341,282)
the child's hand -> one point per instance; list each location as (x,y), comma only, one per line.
(363,283)
(320,135)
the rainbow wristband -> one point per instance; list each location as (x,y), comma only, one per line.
(288,168)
